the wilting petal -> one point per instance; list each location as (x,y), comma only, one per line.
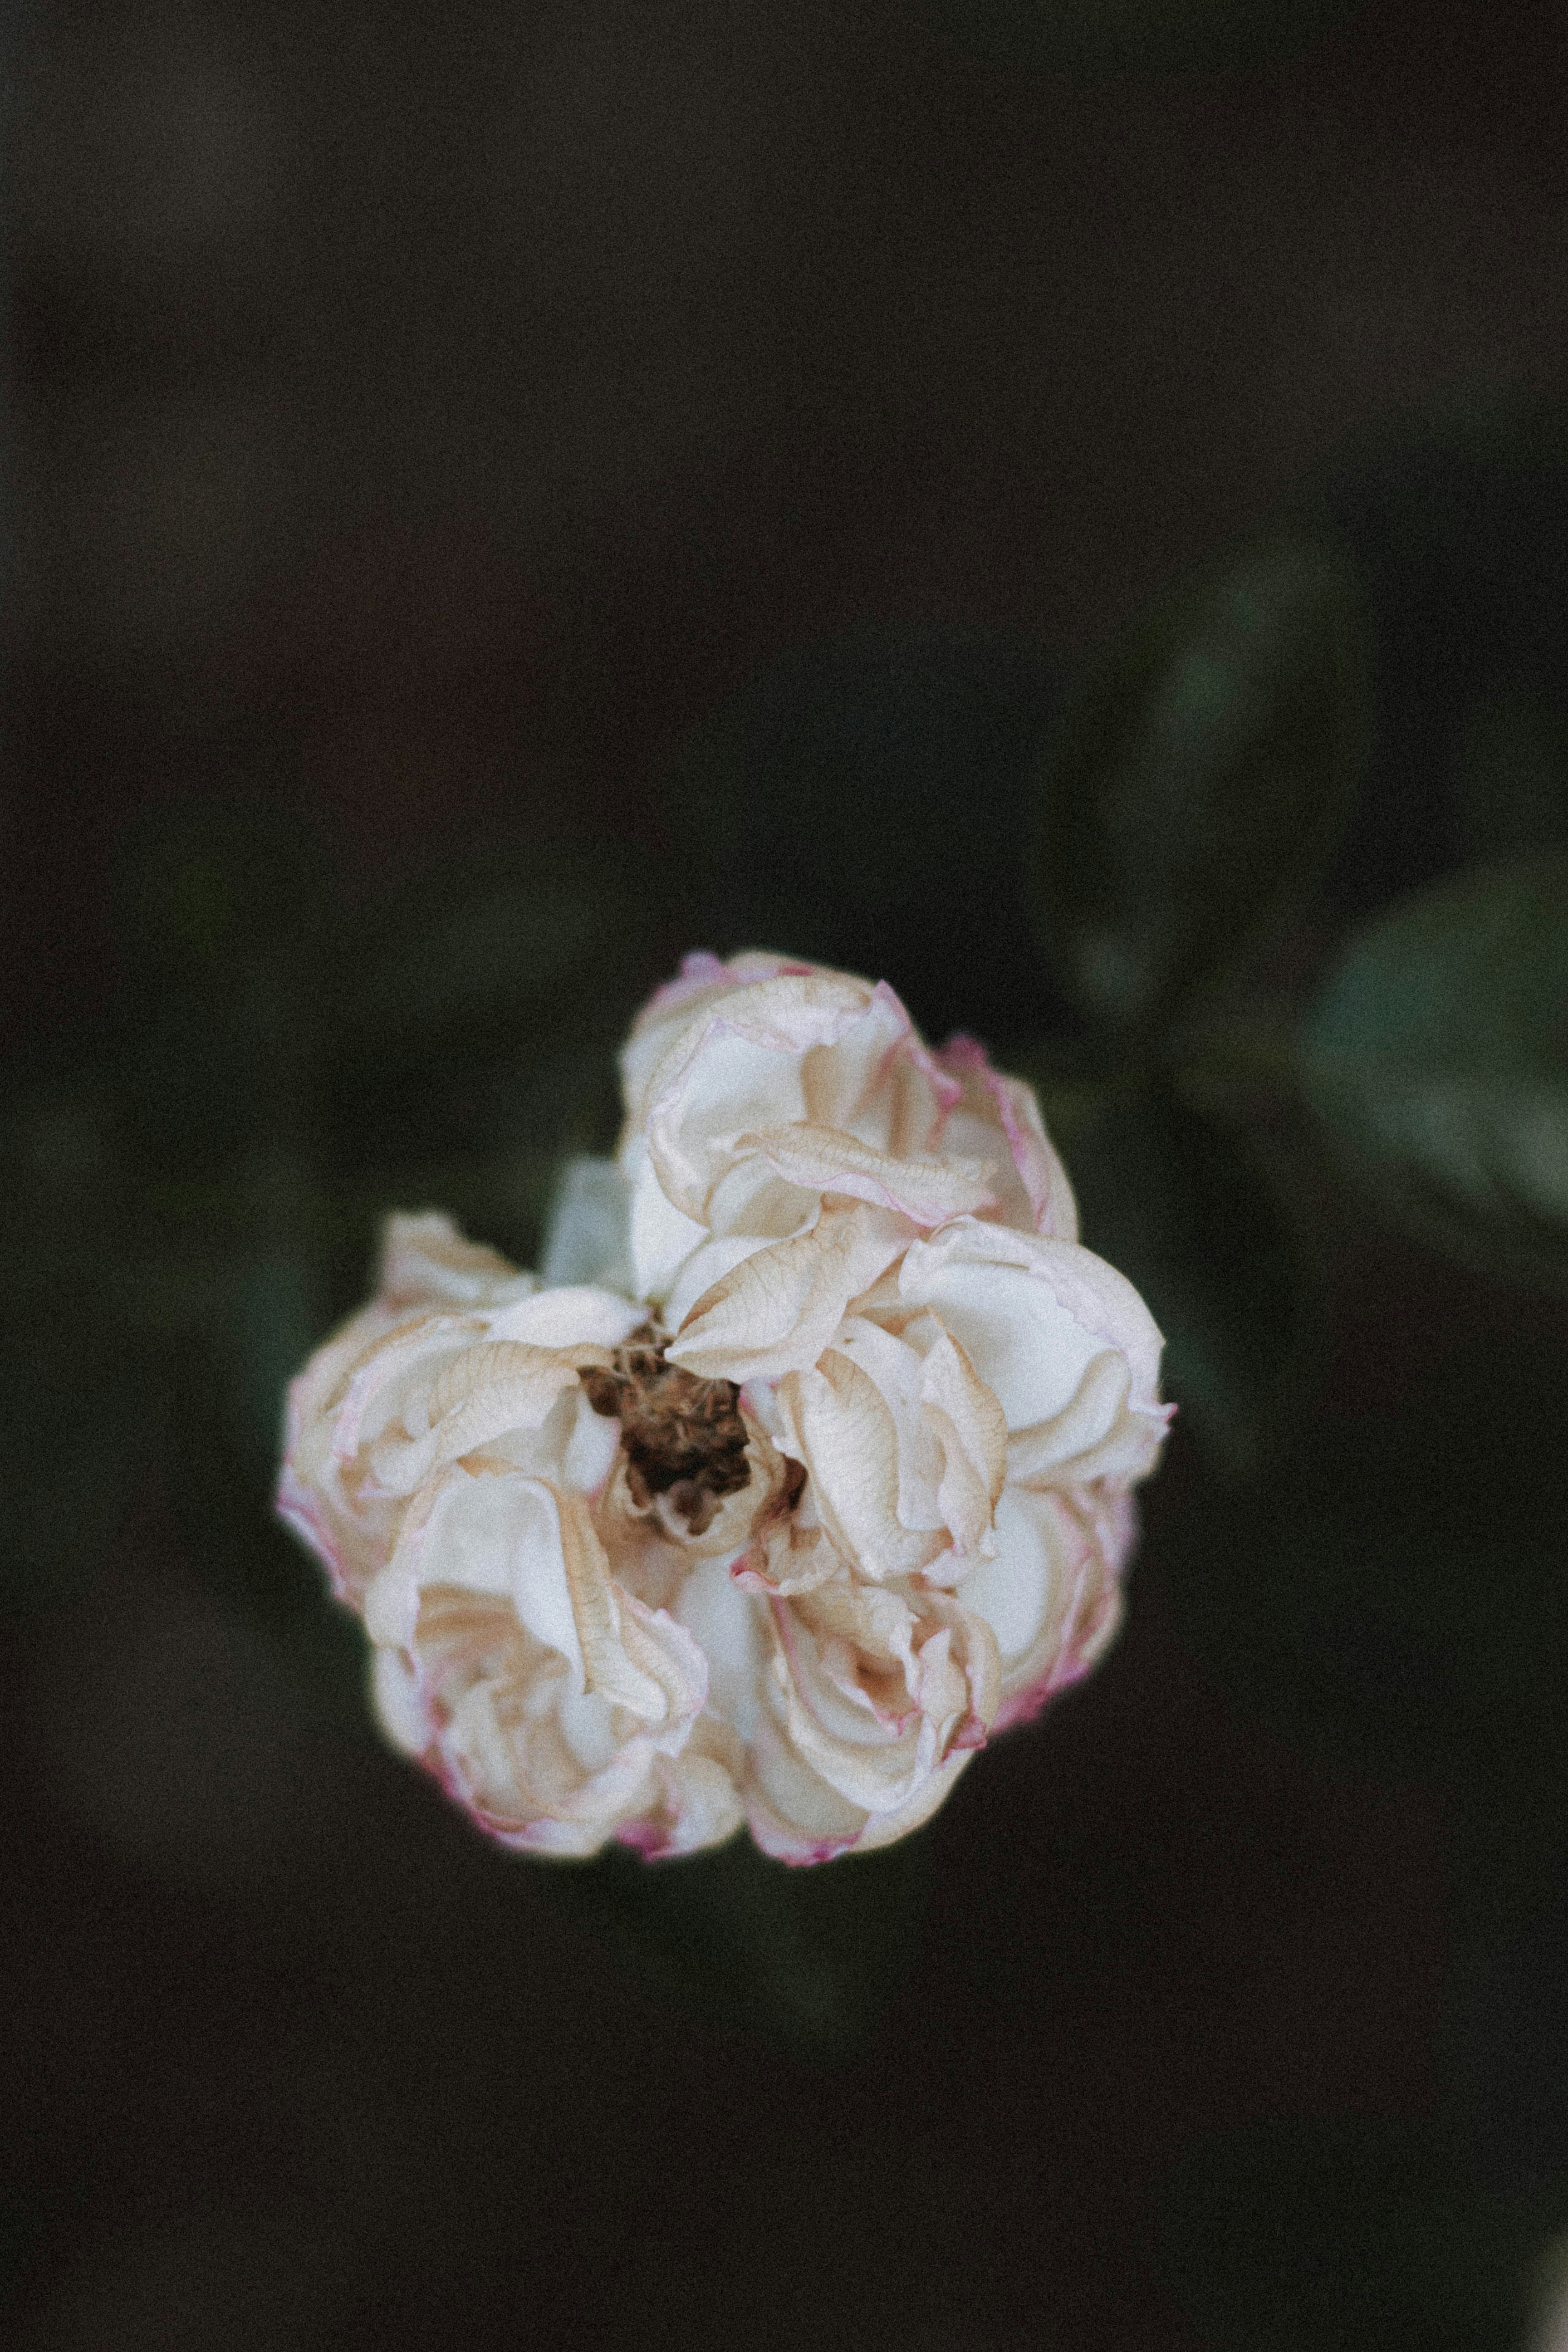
(791,1812)
(825,1159)
(970,1430)
(693,1803)
(545,1695)
(1096,1434)
(706,1268)
(1052,1593)
(789,1557)
(841,1429)
(661,1238)
(478,1395)
(988,1100)
(728,1625)
(579,1319)
(427,1262)
(731,1070)
(776,1312)
(875,1690)
(1032,1313)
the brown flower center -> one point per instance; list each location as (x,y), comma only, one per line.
(681,1437)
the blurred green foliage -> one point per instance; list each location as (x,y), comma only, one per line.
(1199,779)
(1437,1051)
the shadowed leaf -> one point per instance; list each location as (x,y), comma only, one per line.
(1199,780)
(1437,1053)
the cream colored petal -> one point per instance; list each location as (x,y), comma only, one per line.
(972,1431)
(1032,1313)
(736,1065)
(696,1806)
(1039,1198)
(728,1625)
(394,1373)
(499,1384)
(843,1431)
(399,1708)
(663,1655)
(826,1159)
(580,1317)
(627,1655)
(844,1080)
(778,1311)
(873,1696)
(885,1829)
(592,1442)
(1096,1435)
(486,1532)
(895,1367)
(791,1812)
(492,1388)
(427,1262)
(789,1558)
(661,1237)
(1019,1590)
(750,1199)
(705,1268)
(320,1494)
(1051,1595)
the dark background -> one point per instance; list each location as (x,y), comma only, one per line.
(420,424)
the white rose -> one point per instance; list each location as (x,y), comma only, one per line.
(843,1486)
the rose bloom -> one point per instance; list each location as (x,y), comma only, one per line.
(807,1467)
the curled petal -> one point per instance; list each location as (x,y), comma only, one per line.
(427,1262)
(875,1691)
(1032,1313)
(580,1317)
(1052,1593)
(546,1694)
(825,1159)
(789,1557)
(692,1804)
(970,1432)
(729,1070)
(841,1429)
(776,1312)
(1096,1434)
(661,1237)
(987,1100)
(489,1388)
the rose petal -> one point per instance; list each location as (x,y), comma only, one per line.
(1032,1313)
(825,1159)
(777,1311)
(425,1261)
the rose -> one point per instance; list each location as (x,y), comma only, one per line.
(845,1485)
